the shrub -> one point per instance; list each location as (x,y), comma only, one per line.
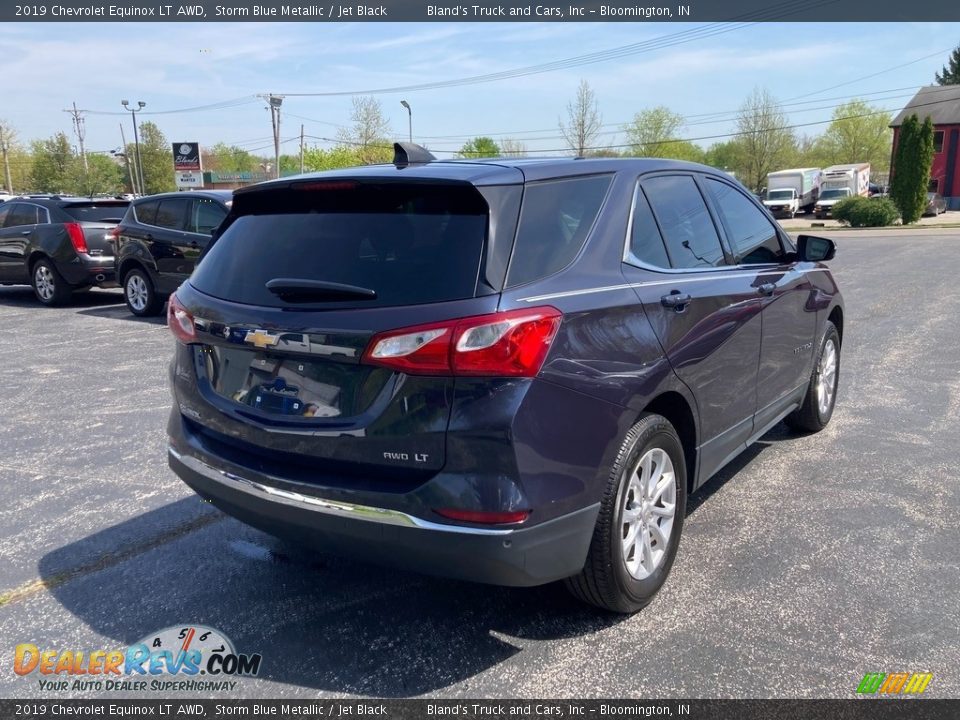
(866,212)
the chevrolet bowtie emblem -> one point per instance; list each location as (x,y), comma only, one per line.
(261,339)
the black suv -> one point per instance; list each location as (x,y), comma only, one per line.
(512,371)
(159,240)
(58,244)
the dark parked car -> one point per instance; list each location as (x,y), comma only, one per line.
(159,241)
(935,204)
(58,244)
(507,371)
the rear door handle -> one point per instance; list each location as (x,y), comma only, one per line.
(767,289)
(26,232)
(676,300)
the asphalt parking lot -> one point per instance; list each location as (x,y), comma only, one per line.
(807,563)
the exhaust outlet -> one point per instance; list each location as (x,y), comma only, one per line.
(100,277)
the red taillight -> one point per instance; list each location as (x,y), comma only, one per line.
(115,233)
(180,321)
(505,344)
(485,518)
(75,231)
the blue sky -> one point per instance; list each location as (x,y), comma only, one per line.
(46,67)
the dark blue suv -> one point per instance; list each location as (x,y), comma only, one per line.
(507,371)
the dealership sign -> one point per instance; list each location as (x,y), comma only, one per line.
(187,169)
(186,156)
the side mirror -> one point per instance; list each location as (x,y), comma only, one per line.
(815,249)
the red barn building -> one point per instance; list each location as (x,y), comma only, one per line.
(941,103)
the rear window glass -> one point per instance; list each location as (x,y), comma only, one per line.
(146,212)
(410,243)
(554,222)
(96,212)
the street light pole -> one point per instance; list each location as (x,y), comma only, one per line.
(136,140)
(409,118)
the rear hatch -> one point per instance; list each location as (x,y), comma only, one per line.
(285,301)
(96,219)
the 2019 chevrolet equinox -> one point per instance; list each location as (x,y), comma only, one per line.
(506,371)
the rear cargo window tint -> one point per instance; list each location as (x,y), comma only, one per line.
(410,243)
(690,234)
(96,212)
(147,212)
(555,220)
(172,214)
(646,245)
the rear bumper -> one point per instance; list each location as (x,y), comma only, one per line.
(522,556)
(89,270)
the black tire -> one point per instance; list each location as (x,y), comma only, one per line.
(810,417)
(605,580)
(49,287)
(140,294)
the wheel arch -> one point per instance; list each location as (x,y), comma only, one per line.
(678,410)
(34,257)
(131,263)
(836,317)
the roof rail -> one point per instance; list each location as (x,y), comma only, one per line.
(407,153)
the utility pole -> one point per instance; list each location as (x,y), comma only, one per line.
(79,128)
(409,118)
(274,102)
(126,159)
(136,139)
(5,146)
(301,148)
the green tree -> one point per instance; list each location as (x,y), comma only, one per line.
(766,143)
(950,75)
(583,120)
(725,155)
(652,132)
(480,147)
(156,158)
(229,158)
(53,160)
(103,176)
(911,170)
(341,156)
(857,133)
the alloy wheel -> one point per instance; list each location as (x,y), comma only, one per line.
(827,382)
(44,281)
(647,514)
(137,292)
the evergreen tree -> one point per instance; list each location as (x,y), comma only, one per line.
(912,163)
(950,75)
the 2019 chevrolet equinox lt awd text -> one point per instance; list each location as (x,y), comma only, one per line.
(507,371)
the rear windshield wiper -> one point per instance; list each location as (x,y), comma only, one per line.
(304,290)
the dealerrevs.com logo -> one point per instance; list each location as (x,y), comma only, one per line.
(182,657)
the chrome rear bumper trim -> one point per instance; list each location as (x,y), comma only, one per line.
(339,508)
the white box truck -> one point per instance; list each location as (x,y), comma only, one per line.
(792,191)
(842,181)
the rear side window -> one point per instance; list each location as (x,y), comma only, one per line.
(4,211)
(205,216)
(96,212)
(646,244)
(555,220)
(23,214)
(411,243)
(688,230)
(146,212)
(752,236)
(172,214)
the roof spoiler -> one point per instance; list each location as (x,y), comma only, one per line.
(407,153)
